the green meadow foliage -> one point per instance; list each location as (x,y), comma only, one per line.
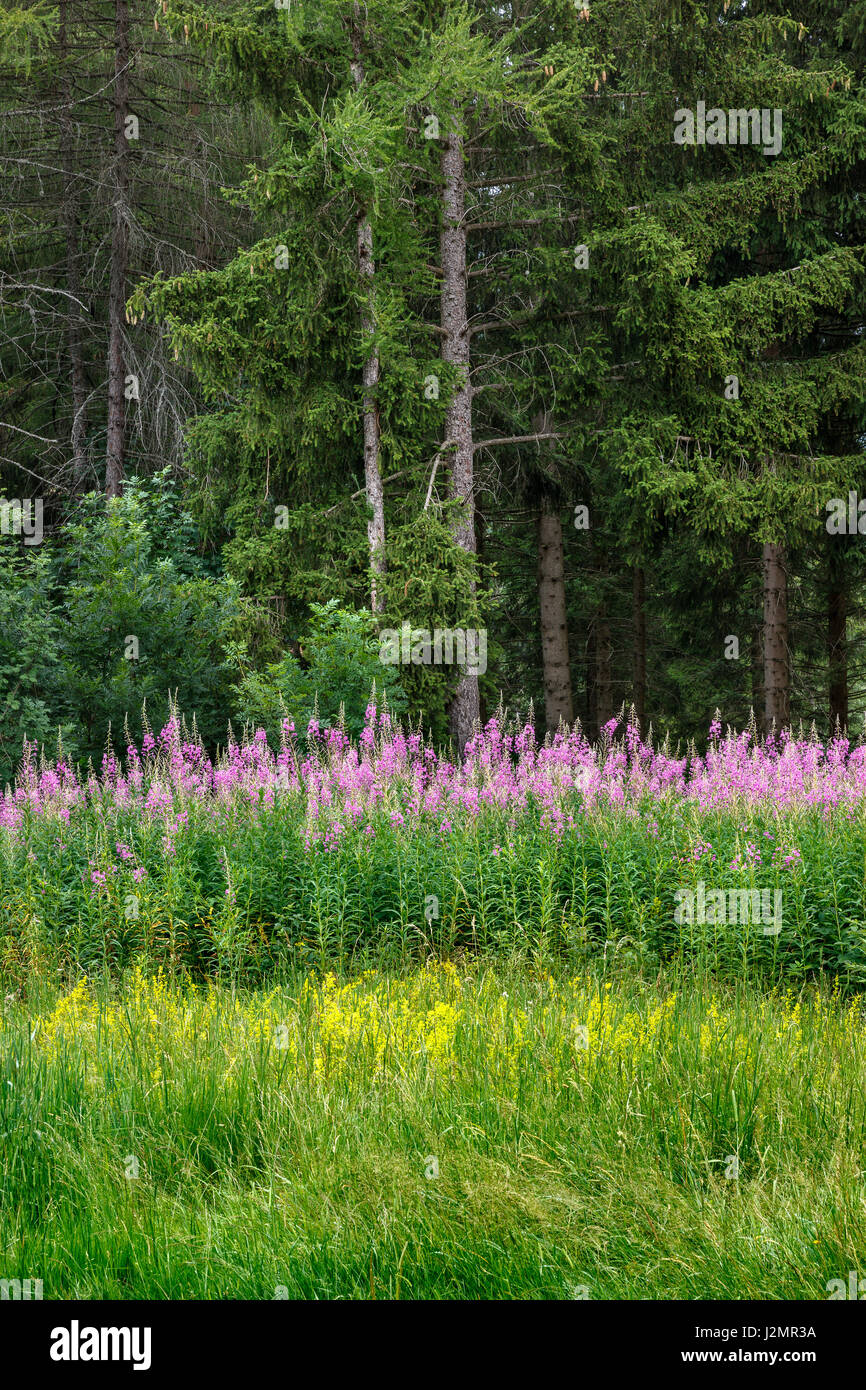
(473,1132)
(327,848)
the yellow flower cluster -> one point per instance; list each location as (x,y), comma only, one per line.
(436,1021)
(639,1034)
(72,1015)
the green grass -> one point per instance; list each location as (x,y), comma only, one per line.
(242,894)
(284,1139)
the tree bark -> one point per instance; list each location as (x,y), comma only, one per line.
(554,620)
(758,677)
(69,213)
(115,453)
(603,680)
(837,641)
(639,615)
(590,718)
(465,708)
(372,435)
(602,647)
(480,547)
(777,682)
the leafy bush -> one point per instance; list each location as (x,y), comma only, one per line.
(334,680)
(29,652)
(119,611)
(142,619)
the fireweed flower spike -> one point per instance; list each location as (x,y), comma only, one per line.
(339,781)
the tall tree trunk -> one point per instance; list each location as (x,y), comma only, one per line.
(115,453)
(777,683)
(758,677)
(603,680)
(554,620)
(590,718)
(69,212)
(639,615)
(466,706)
(372,435)
(837,640)
(480,546)
(602,646)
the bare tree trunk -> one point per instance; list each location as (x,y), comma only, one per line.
(777,684)
(116,433)
(78,377)
(639,615)
(466,706)
(372,435)
(554,620)
(758,677)
(591,703)
(837,641)
(602,646)
(480,546)
(603,681)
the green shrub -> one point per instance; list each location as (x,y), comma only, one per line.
(342,666)
(29,652)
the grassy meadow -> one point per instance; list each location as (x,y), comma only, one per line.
(457,1131)
(364,1025)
